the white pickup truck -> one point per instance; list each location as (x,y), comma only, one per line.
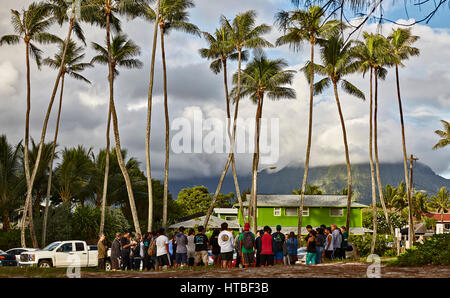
(64,254)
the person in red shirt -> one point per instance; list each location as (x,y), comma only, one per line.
(266,248)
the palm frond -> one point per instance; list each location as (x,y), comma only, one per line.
(321,85)
(352,89)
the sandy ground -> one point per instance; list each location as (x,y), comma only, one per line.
(335,270)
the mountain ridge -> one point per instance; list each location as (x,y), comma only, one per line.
(331,179)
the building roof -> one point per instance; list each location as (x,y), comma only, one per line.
(437,216)
(214,222)
(233,211)
(310,201)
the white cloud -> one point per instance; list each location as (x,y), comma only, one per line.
(424,83)
(8,77)
(93,100)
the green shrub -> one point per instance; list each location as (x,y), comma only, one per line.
(9,239)
(434,251)
(363,243)
(396,219)
(66,223)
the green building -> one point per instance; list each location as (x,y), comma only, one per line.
(226,213)
(282,210)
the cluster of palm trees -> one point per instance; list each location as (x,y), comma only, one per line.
(396,198)
(77,179)
(261,78)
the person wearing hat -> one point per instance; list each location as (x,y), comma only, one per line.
(247,244)
(278,243)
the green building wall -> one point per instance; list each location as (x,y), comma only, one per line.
(317,216)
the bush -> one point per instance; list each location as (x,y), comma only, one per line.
(9,239)
(65,223)
(396,219)
(434,251)
(363,244)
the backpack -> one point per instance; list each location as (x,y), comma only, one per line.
(277,237)
(136,251)
(248,242)
(152,248)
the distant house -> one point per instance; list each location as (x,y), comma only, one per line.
(226,213)
(282,210)
(214,222)
(437,216)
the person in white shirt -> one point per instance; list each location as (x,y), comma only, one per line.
(226,243)
(162,250)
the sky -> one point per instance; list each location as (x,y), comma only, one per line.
(193,87)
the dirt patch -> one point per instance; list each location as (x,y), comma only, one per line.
(335,270)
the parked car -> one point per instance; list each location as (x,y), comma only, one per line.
(63,254)
(17,251)
(301,255)
(7,259)
(350,253)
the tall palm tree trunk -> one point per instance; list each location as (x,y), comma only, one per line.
(308,147)
(166,117)
(26,152)
(377,163)
(347,159)
(372,172)
(405,155)
(116,131)
(231,154)
(106,176)
(254,190)
(149,121)
(41,144)
(50,168)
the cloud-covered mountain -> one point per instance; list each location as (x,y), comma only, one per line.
(331,179)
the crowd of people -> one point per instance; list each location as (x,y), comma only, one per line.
(155,250)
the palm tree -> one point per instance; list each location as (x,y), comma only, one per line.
(119,53)
(10,180)
(444,134)
(172,15)
(373,54)
(305,26)
(73,173)
(441,201)
(262,77)
(41,179)
(310,190)
(400,42)
(389,194)
(30,26)
(401,49)
(148,14)
(420,206)
(243,33)
(400,199)
(73,66)
(220,50)
(338,62)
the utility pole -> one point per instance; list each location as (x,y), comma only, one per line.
(411,234)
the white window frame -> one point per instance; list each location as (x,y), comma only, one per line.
(296,209)
(230,217)
(305,211)
(276,209)
(342,212)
